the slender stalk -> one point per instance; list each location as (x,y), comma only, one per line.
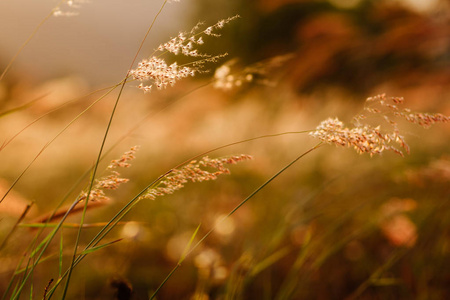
(234,210)
(165,280)
(101,150)
(22,216)
(94,172)
(51,141)
(119,215)
(126,208)
(52,233)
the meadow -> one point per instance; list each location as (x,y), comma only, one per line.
(286,150)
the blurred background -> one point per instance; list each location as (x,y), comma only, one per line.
(335,225)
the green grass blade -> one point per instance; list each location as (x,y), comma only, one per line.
(93,249)
(20,219)
(61,247)
(270,260)
(74,257)
(236,208)
(188,246)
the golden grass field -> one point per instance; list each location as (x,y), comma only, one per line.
(336,224)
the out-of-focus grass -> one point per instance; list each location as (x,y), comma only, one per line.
(335,225)
(317,231)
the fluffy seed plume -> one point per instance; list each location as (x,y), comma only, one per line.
(365,138)
(156,71)
(195,171)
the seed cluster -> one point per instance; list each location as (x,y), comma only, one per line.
(156,71)
(111,181)
(365,138)
(385,106)
(160,73)
(195,171)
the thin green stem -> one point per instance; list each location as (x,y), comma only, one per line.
(125,209)
(20,219)
(235,209)
(165,280)
(94,172)
(52,233)
(51,141)
(72,265)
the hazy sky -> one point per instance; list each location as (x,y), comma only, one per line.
(98,43)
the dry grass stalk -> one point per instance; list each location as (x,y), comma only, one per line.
(97,196)
(61,212)
(381,104)
(365,138)
(195,172)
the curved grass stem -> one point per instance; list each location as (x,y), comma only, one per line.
(51,141)
(72,264)
(234,210)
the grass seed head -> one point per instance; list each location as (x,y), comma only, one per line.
(365,138)
(159,73)
(194,171)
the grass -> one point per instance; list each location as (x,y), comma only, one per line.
(298,220)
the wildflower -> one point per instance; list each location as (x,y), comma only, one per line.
(194,171)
